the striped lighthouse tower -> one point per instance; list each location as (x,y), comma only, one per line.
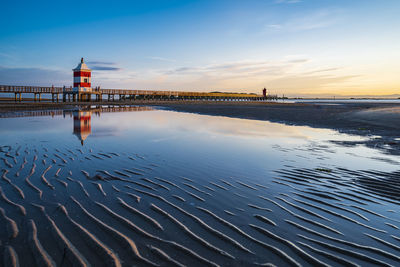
(82,81)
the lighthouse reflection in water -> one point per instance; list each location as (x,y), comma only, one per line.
(82,117)
(82,124)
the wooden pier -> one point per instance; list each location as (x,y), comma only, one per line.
(66,94)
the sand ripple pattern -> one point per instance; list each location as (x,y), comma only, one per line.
(86,207)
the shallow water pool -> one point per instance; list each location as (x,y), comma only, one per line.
(144,186)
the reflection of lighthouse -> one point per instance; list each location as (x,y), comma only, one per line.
(82,127)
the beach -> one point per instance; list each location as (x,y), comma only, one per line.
(195,183)
(200,133)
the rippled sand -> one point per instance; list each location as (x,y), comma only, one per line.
(58,210)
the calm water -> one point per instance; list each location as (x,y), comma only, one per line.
(159,187)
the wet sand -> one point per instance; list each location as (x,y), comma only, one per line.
(104,217)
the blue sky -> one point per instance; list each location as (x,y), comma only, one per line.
(295,47)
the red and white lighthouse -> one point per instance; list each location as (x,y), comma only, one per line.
(82,78)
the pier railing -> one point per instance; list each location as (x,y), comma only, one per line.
(123,94)
(30,89)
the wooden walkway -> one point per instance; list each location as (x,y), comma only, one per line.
(100,94)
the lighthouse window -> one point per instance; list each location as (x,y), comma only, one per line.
(85,80)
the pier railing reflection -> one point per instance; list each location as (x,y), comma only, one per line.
(82,117)
(59,112)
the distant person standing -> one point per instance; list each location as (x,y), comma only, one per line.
(265,92)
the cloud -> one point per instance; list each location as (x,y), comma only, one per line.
(275,26)
(103,65)
(316,20)
(96,67)
(162,59)
(322,70)
(7,56)
(34,76)
(293,75)
(100,63)
(183,70)
(302,83)
(299,60)
(236,69)
(290,75)
(287,1)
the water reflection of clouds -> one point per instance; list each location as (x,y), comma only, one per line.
(171,122)
(174,130)
(202,124)
(104,132)
(158,140)
(29,124)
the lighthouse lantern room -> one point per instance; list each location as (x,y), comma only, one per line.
(82,80)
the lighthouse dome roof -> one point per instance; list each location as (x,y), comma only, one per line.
(81,66)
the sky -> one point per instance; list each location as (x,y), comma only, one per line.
(291,47)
